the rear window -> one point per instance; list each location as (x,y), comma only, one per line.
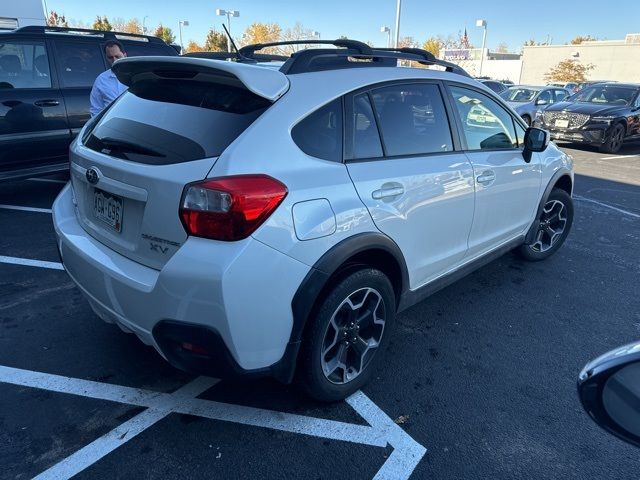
(167,121)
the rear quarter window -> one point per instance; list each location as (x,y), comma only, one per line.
(320,134)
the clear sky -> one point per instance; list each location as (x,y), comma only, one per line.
(512,23)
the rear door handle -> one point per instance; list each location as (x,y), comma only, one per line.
(387,192)
(486,177)
(47,103)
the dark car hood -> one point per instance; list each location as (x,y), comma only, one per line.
(588,108)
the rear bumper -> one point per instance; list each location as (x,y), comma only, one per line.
(224,288)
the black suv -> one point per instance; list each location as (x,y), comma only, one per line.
(46,75)
(604,115)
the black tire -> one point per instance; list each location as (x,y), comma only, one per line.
(534,252)
(310,374)
(615,140)
(527,120)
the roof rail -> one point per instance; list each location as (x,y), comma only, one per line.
(354,54)
(361,47)
(429,59)
(106,34)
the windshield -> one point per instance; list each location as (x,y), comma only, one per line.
(606,94)
(519,94)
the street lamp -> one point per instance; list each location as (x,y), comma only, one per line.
(387,30)
(398,24)
(229,13)
(482,24)
(144,28)
(182,23)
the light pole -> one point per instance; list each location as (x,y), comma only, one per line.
(229,13)
(483,24)
(144,20)
(182,23)
(398,23)
(387,30)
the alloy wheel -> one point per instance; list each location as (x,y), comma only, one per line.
(553,221)
(353,335)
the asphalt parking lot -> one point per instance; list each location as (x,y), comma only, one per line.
(478,382)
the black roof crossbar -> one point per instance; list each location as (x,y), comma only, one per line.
(361,47)
(353,54)
(106,34)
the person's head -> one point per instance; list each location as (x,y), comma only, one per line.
(114,51)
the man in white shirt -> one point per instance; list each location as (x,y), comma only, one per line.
(107,88)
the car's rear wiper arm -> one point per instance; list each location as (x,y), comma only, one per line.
(130,147)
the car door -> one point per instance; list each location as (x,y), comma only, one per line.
(417,186)
(507,187)
(33,122)
(78,63)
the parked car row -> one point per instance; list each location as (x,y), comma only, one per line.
(597,113)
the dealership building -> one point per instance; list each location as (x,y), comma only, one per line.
(611,59)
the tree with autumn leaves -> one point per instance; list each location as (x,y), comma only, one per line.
(568,71)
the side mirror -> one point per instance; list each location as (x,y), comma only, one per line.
(541,102)
(609,389)
(535,140)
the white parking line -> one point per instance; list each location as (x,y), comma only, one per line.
(98,449)
(381,431)
(31,263)
(47,180)
(25,209)
(618,156)
(624,212)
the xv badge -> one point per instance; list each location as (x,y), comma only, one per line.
(156,247)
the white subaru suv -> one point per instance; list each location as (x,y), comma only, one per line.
(246,218)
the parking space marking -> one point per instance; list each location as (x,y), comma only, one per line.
(47,180)
(98,449)
(624,212)
(380,432)
(618,156)
(25,209)
(31,263)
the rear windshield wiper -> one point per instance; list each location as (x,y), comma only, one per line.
(124,146)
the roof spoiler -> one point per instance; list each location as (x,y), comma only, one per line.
(264,82)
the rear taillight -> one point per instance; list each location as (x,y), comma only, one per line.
(229,208)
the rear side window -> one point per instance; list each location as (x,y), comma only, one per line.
(363,140)
(168,121)
(412,119)
(78,63)
(24,64)
(320,134)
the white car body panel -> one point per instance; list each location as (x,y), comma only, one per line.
(430,221)
(504,207)
(193,287)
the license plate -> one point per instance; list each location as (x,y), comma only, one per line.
(562,123)
(108,209)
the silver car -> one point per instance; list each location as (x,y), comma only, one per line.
(528,101)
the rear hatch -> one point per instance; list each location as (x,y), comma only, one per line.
(131,164)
